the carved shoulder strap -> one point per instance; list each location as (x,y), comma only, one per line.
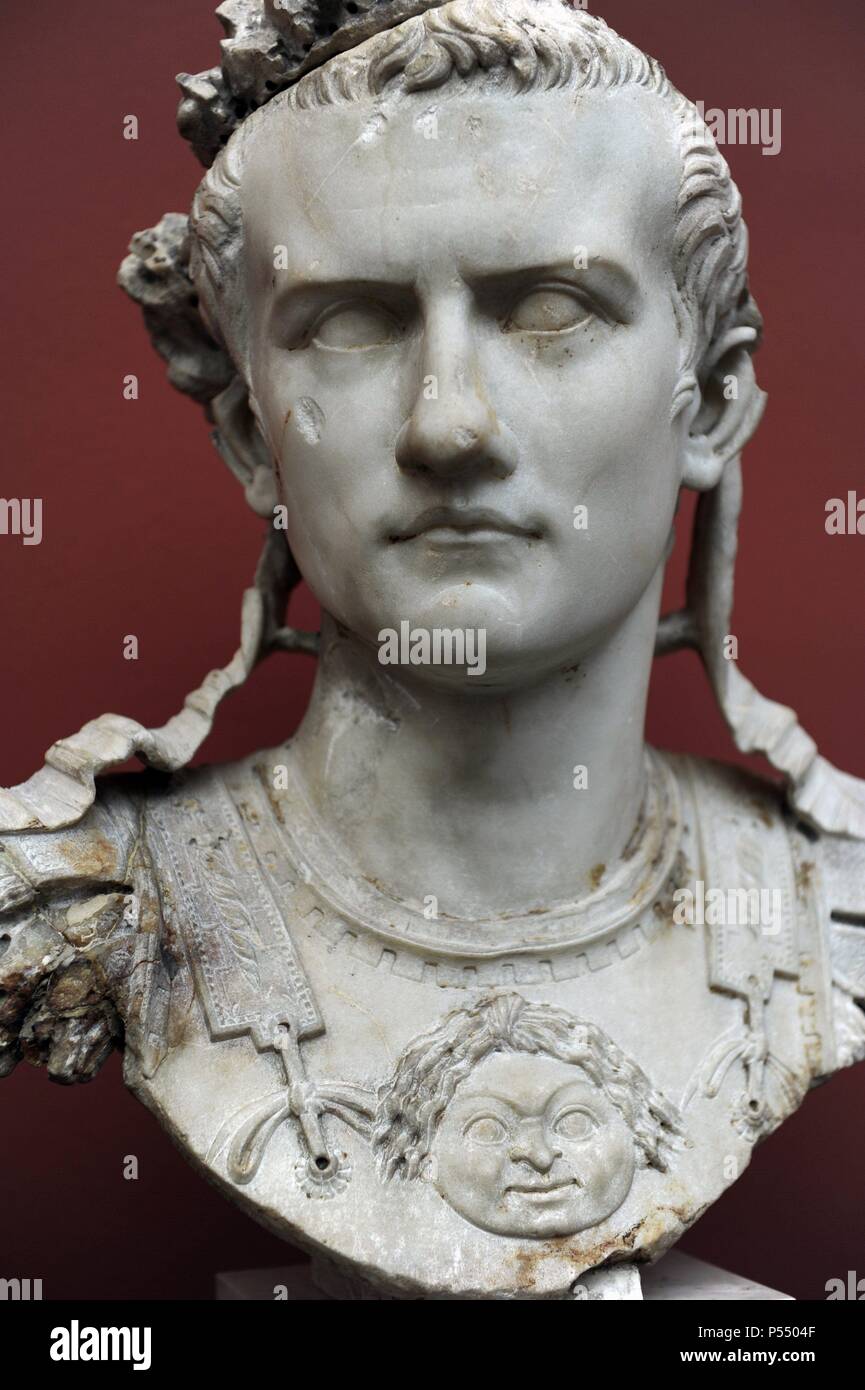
(764,916)
(233,912)
(248,974)
(840,865)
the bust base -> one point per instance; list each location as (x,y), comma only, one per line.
(675,1278)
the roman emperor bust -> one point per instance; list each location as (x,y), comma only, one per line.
(463,988)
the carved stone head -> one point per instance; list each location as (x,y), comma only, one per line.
(468,269)
(485,271)
(529,1122)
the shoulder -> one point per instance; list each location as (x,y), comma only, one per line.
(742,830)
(750,837)
(203,791)
(722,787)
(67,902)
(841,864)
(101,845)
(742,798)
(725,796)
(96,849)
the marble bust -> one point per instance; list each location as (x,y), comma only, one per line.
(464,988)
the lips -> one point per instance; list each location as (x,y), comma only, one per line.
(456,522)
(548,1189)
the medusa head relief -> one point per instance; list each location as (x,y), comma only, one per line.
(527,1121)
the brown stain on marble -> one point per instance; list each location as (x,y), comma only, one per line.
(97,859)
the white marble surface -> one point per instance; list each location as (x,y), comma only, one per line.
(679,1277)
(675,1278)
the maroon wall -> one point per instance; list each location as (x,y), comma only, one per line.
(145,533)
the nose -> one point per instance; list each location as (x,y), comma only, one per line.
(453,431)
(534,1146)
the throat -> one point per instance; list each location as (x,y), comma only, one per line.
(476,805)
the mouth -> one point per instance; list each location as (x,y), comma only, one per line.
(460,524)
(539,1191)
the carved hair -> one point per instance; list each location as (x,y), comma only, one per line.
(431,1068)
(308,53)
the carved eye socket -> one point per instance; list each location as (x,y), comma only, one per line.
(354,326)
(575,1124)
(551,309)
(485,1129)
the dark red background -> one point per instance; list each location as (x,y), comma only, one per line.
(146,533)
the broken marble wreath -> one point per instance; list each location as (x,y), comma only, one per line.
(412,992)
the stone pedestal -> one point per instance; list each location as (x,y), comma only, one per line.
(675,1278)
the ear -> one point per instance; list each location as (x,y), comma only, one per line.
(721,416)
(242,446)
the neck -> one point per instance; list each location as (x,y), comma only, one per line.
(469,797)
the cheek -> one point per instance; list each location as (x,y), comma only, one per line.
(593,422)
(329,428)
(471,1176)
(607,406)
(609,1171)
(631,452)
(624,462)
(328,410)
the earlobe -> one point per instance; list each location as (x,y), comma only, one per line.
(260,492)
(242,446)
(703,466)
(724,414)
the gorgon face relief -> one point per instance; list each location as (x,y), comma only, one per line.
(532,1149)
(527,1122)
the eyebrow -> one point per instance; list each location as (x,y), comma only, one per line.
(338,284)
(598,267)
(492,1097)
(510,1104)
(303,295)
(611,280)
(602,269)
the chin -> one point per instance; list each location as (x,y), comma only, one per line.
(512,620)
(506,667)
(505,641)
(466,602)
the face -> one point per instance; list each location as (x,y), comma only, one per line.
(530,1147)
(472,337)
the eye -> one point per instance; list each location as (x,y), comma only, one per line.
(354,326)
(485,1129)
(550,309)
(575,1124)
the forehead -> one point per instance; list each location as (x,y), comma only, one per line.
(526,1080)
(488,182)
